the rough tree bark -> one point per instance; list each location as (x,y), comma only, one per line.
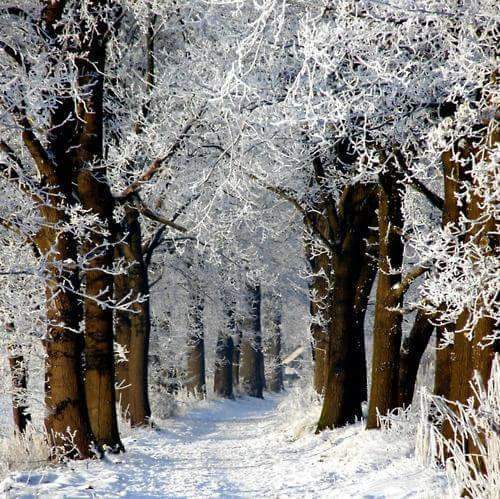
(346,381)
(387,329)
(319,303)
(133,327)
(98,351)
(65,398)
(95,195)
(476,355)
(450,218)
(252,359)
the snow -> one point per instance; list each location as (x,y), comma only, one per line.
(242,448)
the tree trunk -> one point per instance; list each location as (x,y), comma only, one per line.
(388,322)
(99,358)
(95,196)
(346,378)
(319,314)
(413,348)
(363,291)
(122,337)
(442,373)
(273,347)
(472,350)
(450,216)
(223,375)
(195,381)
(319,301)
(65,398)
(99,355)
(237,339)
(342,403)
(19,377)
(133,328)
(252,359)
(66,421)
(474,355)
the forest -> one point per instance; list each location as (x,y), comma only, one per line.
(249,248)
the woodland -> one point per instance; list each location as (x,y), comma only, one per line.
(193,190)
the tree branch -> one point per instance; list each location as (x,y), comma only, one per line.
(158,163)
(15,55)
(147,212)
(331,210)
(149,248)
(408,279)
(281,193)
(12,174)
(419,186)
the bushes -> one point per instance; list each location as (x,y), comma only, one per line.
(25,451)
(472,458)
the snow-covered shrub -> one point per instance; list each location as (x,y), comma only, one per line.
(478,423)
(299,411)
(400,420)
(164,405)
(24,451)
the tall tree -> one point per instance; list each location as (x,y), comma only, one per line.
(195,374)
(272,342)
(252,359)
(133,326)
(388,319)
(346,384)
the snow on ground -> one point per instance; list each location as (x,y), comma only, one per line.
(243,448)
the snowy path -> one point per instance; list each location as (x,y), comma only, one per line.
(239,449)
